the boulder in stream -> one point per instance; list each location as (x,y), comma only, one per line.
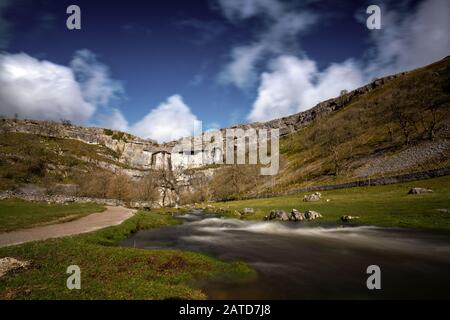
(347,218)
(297,215)
(312,215)
(278,215)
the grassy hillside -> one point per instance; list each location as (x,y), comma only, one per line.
(382,123)
(399,127)
(29,158)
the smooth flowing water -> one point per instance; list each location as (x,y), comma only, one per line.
(296,261)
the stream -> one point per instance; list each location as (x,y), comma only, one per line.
(297,261)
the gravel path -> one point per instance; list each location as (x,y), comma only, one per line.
(110,217)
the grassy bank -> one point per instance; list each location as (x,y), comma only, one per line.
(17,214)
(112,272)
(388,205)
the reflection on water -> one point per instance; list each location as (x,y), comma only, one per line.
(295,261)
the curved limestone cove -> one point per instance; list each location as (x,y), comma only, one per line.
(305,261)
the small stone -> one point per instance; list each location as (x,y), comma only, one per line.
(419,191)
(347,218)
(316,196)
(8,264)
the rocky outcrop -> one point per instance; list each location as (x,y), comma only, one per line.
(299,120)
(143,154)
(132,151)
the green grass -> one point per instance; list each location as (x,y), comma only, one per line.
(112,272)
(18,214)
(388,205)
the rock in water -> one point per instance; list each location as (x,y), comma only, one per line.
(347,218)
(312,215)
(297,215)
(419,191)
(248,210)
(312,197)
(278,215)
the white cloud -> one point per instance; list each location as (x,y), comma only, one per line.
(171,120)
(46,91)
(244,9)
(282,27)
(405,42)
(40,90)
(212,126)
(294,85)
(241,70)
(94,77)
(408,42)
(114,120)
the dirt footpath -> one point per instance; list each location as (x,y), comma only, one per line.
(110,217)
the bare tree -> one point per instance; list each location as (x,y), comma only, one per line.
(120,187)
(95,184)
(147,188)
(430,119)
(403,120)
(168,182)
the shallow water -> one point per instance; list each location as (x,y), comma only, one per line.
(295,261)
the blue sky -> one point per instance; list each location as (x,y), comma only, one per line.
(158,68)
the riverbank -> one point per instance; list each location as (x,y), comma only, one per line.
(112,272)
(387,205)
(295,261)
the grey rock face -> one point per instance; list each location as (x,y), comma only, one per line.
(146,154)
